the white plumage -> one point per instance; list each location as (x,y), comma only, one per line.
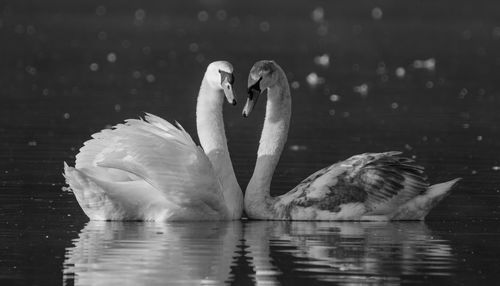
(152,170)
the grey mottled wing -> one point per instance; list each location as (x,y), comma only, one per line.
(388,179)
(379,180)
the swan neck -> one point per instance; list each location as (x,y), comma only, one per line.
(272,142)
(211,133)
(209,122)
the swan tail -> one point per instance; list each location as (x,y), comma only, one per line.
(420,206)
(91,197)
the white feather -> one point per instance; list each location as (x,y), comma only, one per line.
(147,170)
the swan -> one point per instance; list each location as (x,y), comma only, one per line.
(152,170)
(370,186)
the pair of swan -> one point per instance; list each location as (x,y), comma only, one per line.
(152,170)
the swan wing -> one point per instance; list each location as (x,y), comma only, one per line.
(388,179)
(381,181)
(157,152)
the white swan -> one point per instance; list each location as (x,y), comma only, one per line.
(376,186)
(151,170)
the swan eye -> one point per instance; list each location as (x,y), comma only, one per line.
(254,88)
(226,77)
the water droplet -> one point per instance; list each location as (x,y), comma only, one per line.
(31,70)
(318,14)
(400,72)
(200,58)
(479,138)
(136,74)
(118,108)
(429,84)
(295,84)
(495,168)
(150,78)
(323,60)
(377,13)
(334,98)
(394,105)
(361,89)
(111,57)
(264,26)
(314,80)
(193,47)
(140,14)
(297,148)
(428,64)
(221,15)
(94,67)
(203,16)
(66,115)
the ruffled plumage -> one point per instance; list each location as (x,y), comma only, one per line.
(370,186)
(145,170)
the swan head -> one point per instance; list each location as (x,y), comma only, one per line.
(263,75)
(219,75)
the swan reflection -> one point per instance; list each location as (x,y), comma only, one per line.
(266,253)
(345,252)
(108,253)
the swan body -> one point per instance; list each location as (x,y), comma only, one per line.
(370,186)
(152,170)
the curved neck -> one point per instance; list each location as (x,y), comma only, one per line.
(210,127)
(272,142)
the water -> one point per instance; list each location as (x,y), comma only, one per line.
(264,253)
(396,76)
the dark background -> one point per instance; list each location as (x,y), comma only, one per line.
(70,68)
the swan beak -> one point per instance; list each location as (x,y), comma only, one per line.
(226,82)
(228,91)
(253,94)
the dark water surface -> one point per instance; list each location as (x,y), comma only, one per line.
(415,76)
